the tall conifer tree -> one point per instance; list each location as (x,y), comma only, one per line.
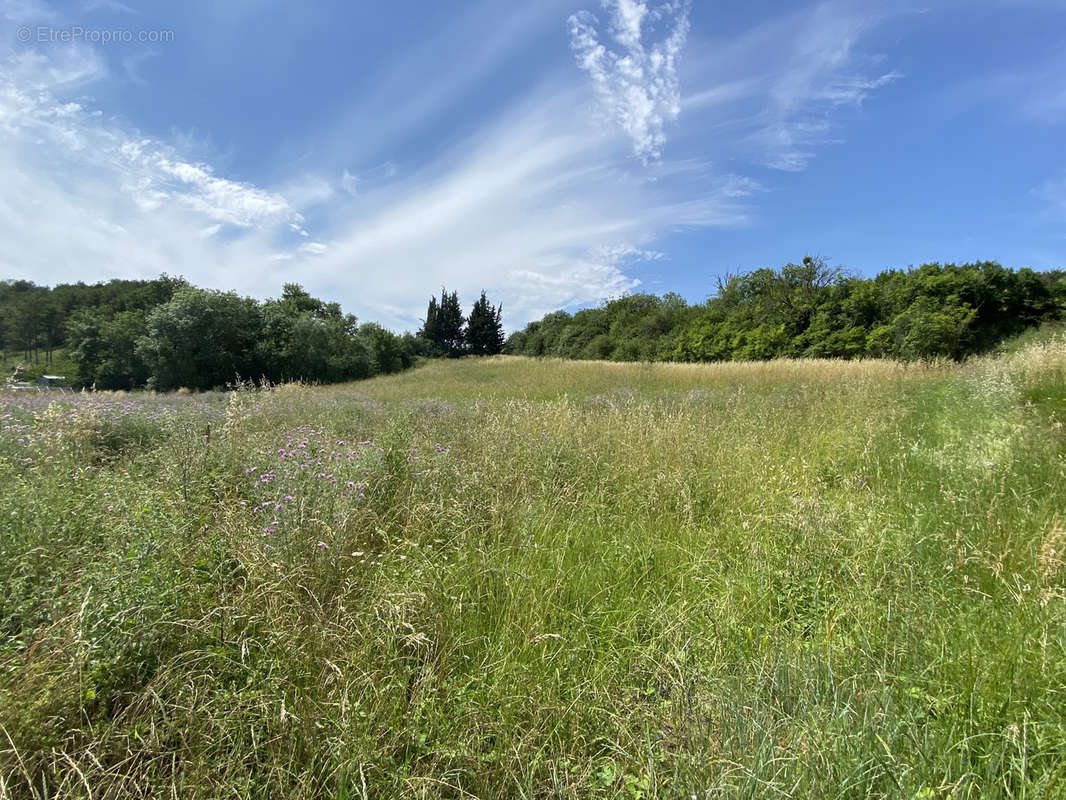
(484,330)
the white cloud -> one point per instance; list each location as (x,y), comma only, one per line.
(25,11)
(636,81)
(822,73)
(618,253)
(314,248)
(533,209)
(307,191)
(534,206)
(110,5)
(773,93)
(33,113)
(350,183)
(83,197)
(228,201)
(368,179)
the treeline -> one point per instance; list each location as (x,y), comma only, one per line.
(810,310)
(166,334)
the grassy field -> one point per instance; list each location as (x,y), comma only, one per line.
(508,578)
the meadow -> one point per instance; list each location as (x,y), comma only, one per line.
(518,578)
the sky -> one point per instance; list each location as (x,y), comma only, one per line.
(553,153)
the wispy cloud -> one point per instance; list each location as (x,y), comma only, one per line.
(367,179)
(634,68)
(109,5)
(85,197)
(1034,93)
(822,73)
(1052,193)
(150,172)
(534,207)
(774,92)
(221,199)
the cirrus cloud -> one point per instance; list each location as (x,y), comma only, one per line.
(635,74)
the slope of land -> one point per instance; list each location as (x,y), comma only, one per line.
(517,578)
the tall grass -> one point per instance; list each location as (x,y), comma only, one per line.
(512,578)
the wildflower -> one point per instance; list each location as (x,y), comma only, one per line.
(322,546)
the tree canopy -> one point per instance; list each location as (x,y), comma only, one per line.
(167,334)
(810,309)
(446,332)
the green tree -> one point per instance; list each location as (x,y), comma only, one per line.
(443,327)
(925,330)
(387,351)
(484,330)
(103,348)
(201,339)
(24,319)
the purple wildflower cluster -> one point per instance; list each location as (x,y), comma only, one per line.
(13,431)
(29,419)
(113,405)
(307,466)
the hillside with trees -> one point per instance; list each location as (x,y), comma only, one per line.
(166,334)
(810,310)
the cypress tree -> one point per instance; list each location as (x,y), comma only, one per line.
(443,326)
(484,330)
(452,336)
(431,325)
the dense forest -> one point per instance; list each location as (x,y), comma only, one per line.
(165,334)
(810,310)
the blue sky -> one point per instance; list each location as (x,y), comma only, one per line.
(553,153)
